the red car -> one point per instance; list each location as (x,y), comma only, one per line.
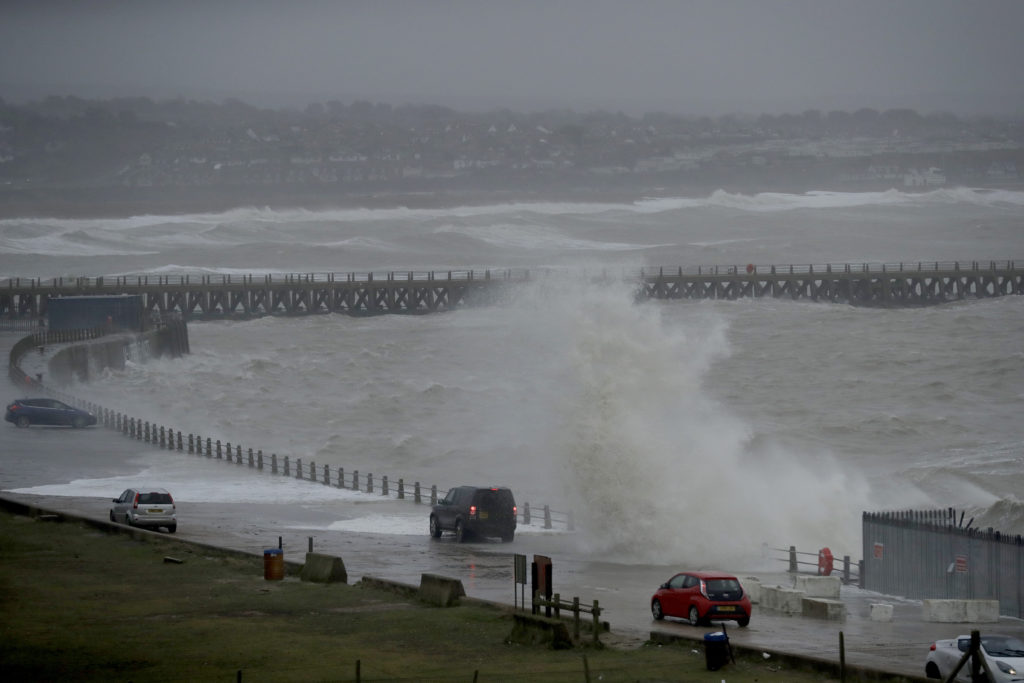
(701,597)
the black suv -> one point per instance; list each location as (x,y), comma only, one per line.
(475,511)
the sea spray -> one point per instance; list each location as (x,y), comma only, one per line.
(656,469)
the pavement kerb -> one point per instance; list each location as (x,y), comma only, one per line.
(826,666)
(27,510)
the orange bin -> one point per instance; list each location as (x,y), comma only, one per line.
(273,564)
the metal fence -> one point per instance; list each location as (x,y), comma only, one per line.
(931,554)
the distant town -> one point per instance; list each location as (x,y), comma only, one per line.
(121,147)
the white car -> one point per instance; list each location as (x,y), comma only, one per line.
(1003,654)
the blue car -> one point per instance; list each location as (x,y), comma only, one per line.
(47,411)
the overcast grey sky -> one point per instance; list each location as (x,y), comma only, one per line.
(688,57)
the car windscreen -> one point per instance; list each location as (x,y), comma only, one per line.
(154,498)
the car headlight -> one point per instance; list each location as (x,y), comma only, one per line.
(1006,668)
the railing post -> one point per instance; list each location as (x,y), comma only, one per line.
(792,559)
(433,494)
(384,485)
(547,517)
(355,480)
(287,469)
(401,489)
(327,475)
(369,482)
(341,477)
(298,468)
(597,621)
(416,493)
(526,513)
(259,459)
(273,463)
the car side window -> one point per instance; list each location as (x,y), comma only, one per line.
(690,582)
(676,581)
(963,644)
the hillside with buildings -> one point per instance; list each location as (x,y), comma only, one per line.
(125,149)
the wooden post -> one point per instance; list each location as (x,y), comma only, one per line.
(416,493)
(238,454)
(597,621)
(209,447)
(547,517)
(287,470)
(401,489)
(526,513)
(179,441)
(384,485)
(433,494)
(792,559)
(576,618)
(842,659)
(298,468)
(220,455)
(369,482)
(327,475)
(191,444)
(259,459)
(341,477)
(227,449)
(355,480)
(250,459)
(273,463)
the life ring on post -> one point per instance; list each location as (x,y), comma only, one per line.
(750,268)
(824,562)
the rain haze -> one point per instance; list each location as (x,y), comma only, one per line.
(694,58)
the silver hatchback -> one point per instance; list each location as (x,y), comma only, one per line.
(145,508)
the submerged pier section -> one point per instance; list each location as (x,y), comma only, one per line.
(204,297)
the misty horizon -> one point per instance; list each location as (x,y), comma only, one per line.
(692,59)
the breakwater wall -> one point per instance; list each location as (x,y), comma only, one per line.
(415,292)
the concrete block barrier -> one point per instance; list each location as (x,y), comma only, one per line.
(784,600)
(752,587)
(440,590)
(321,568)
(960,611)
(819,586)
(533,629)
(823,608)
(881,612)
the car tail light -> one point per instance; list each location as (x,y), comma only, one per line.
(704,589)
(135,502)
(173,507)
(472,510)
(932,648)
(515,510)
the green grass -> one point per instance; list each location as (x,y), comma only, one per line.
(77,603)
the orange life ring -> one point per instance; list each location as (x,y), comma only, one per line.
(750,268)
(824,562)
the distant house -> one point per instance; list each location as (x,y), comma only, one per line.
(932,177)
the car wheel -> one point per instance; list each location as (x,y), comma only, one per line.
(127,519)
(172,528)
(78,422)
(509,537)
(656,610)
(743,622)
(23,421)
(435,527)
(694,616)
(460,532)
(932,671)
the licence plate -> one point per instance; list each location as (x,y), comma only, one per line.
(483,514)
(155,511)
(726,608)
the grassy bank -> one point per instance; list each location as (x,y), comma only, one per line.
(79,603)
